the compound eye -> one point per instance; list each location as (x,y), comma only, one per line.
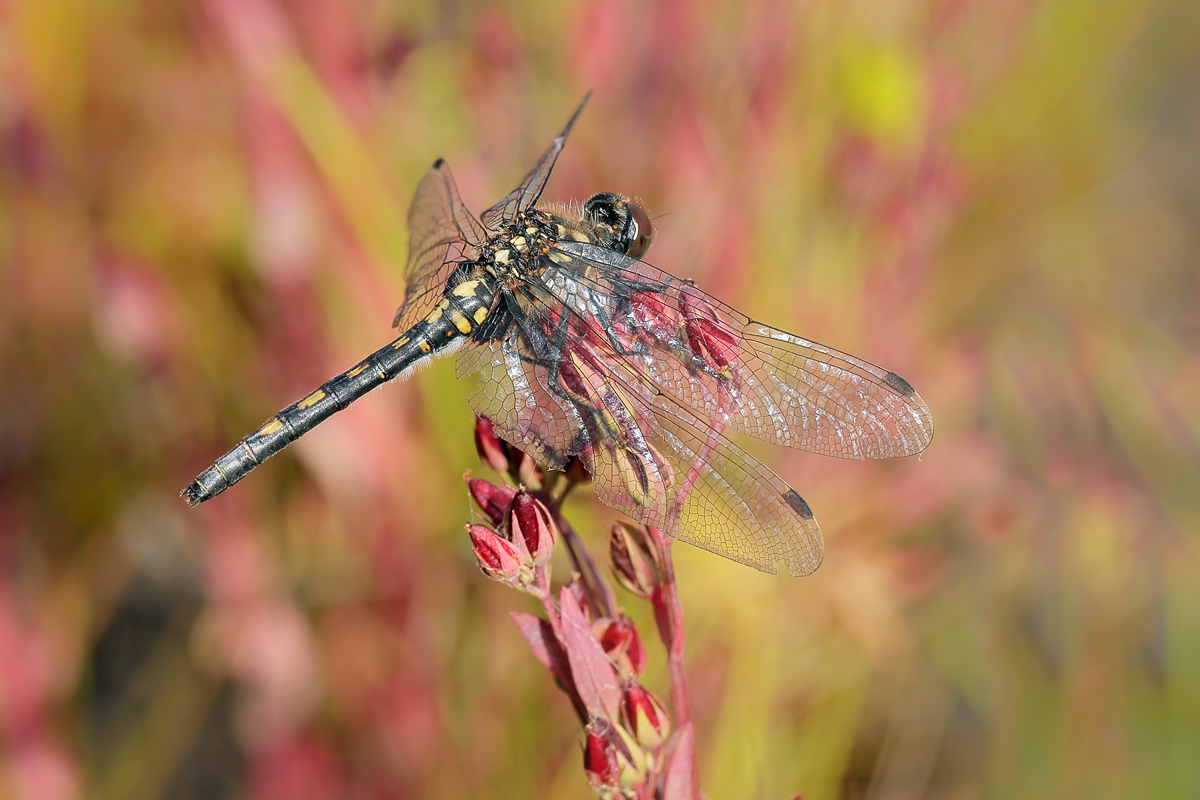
(641,231)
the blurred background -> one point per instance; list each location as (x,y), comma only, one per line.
(202,218)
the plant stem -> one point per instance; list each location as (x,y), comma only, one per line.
(599,595)
(668,613)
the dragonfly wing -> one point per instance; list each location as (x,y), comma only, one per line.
(514,393)
(526,195)
(554,390)
(758,380)
(441,232)
(700,487)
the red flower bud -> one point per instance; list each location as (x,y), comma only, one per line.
(645,716)
(622,643)
(612,757)
(492,500)
(600,755)
(530,524)
(498,557)
(490,447)
(634,563)
(709,339)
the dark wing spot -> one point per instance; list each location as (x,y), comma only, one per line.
(793,499)
(899,384)
(438,164)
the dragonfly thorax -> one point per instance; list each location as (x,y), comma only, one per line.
(518,247)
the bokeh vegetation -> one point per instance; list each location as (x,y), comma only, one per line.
(202,217)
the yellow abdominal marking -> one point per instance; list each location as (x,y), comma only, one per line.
(462,323)
(425,348)
(480,314)
(436,314)
(311,400)
(359,370)
(403,340)
(466,289)
(270,427)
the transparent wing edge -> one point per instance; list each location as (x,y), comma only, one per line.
(770,345)
(736,508)
(441,232)
(529,191)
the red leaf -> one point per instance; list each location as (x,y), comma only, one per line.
(595,677)
(548,650)
(537,633)
(681,770)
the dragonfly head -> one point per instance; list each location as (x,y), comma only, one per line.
(628,226)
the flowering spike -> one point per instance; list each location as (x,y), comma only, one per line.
(530,523)
(645,716)
(498,557)
(633,559)
(490,447)
(491,499)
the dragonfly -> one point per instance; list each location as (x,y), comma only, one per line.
(583,349)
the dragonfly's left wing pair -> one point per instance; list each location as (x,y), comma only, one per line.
(442,232)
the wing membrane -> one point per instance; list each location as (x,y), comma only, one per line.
(515,395)
(766,383)
(527,193)
(442,232)
(555,389)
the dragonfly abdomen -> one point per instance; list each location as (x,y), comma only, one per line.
(447,325)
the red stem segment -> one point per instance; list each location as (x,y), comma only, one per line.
(668,613)
(598,593)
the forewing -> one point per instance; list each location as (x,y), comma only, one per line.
(755,379)
(554,390)
(441,232)
(514,394)
(703,489)
(527,194)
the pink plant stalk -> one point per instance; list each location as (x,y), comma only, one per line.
(634,747)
